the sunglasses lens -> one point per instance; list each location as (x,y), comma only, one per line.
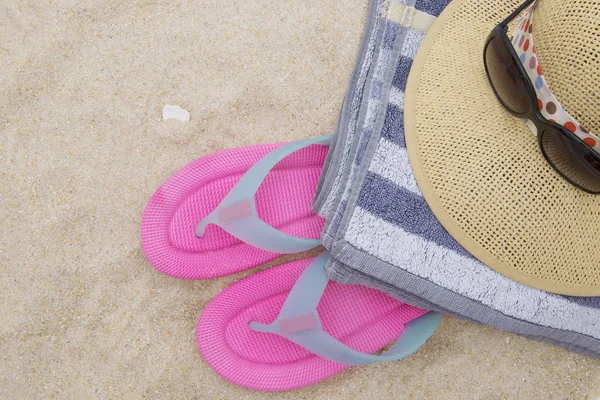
(572,159)
(505,77)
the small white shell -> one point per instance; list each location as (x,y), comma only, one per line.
(175,112)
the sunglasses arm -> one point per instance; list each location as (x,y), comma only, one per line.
(516,13)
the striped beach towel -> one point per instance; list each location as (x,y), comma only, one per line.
(381,232)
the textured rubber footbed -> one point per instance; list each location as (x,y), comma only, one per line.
(362,318)
(172,214)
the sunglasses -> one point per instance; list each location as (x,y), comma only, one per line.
(570,149)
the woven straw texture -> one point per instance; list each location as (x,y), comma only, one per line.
(571,29)
(480,168)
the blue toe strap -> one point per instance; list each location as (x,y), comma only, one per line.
(299,322)
(236,214)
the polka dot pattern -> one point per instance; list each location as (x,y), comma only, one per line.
(539,82)
(548,105)
(571,126)
(533,62)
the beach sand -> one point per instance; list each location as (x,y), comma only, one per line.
(82,148)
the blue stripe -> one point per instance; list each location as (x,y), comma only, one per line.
(393,126)
(592,302)
(376,89)
(431,7)
(402,71)
(390,34)
(362,147)
(406,210)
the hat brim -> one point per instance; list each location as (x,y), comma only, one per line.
(480,168)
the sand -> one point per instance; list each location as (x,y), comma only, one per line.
(82,148)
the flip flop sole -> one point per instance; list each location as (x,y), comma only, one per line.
(361,318)
(172,214)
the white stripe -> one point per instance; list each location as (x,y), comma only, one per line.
(396,97)
(391,162)
(411,44)
(466,276)
(371,112)
(409,17)
(383,62)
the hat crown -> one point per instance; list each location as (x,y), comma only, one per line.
(480,169)
(566,34)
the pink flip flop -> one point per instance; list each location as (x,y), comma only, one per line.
(287,327)
(234,210)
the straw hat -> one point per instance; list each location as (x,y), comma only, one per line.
(480,168)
